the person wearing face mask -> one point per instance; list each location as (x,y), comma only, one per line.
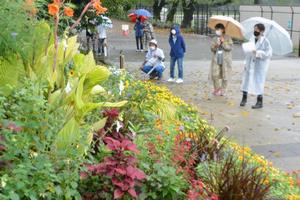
(178,49)
(221,48)
(257,64)
(154,59)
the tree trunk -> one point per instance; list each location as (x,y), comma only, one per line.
(157,7)
(172,12)
(257,2)
(188,12)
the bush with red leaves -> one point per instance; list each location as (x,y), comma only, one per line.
(121,166)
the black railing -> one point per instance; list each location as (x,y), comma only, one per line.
(204,12)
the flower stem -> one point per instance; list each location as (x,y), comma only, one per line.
(81,15)
(56,22)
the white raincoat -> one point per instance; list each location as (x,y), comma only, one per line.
(256,67)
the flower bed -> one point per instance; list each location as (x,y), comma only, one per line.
(71,129)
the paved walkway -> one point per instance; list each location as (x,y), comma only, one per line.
(273,131)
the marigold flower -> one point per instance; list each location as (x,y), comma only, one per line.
(53,9)
(69,12)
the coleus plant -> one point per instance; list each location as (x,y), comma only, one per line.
(121,165)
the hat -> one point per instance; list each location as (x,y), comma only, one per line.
(153,41)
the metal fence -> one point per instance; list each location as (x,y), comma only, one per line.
(286,16)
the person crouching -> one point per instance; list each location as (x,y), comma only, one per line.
(154,61)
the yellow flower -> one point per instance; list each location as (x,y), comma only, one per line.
(72,73)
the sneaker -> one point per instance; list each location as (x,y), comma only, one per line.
(222,93)
(179,80)
(171,80)
(137,50)
(141,50)
(217,92)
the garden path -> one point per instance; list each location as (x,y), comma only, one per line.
(273,131)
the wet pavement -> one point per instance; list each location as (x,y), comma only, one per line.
(273,131)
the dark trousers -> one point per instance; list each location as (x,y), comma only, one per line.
(101,45)
(139,42)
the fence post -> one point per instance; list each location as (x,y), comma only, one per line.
(198,23)
(206,20)
(271,8)
(292,21)
(261,11)
(299,48)
(122,60)
(202,20)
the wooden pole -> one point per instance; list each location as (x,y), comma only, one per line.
(122,60)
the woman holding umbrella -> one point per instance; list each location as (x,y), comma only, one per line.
(257,64)
(221,47)
(221,60)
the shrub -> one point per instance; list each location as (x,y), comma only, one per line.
(32,170)
(234,179)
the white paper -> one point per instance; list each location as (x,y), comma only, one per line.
(248,47)
(125,27)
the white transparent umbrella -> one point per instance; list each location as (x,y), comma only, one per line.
(233,28)
(107,22)
(279,38)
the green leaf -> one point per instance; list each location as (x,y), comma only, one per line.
(94,77)
(86,65)
(91,106)
(79,92)
(68,135)
(11,70)
(14,196)
(100,124)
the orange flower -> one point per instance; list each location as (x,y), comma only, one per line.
(69,12)
(53,9)
(29,2)
(99,9)
(57,1)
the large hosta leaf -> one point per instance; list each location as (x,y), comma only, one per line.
(68,136)
(95,77)
(84,63)
(11,70)
(79,92)
(88,107)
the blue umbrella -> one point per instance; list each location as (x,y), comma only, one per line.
(143,12)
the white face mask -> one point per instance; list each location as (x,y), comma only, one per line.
(152,48)
(218,32)
(173,32)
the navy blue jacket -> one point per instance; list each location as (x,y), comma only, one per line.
(138,27)
(177,49)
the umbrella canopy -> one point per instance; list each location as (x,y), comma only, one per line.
(133,17)
(106,22)
(279,38)
(143,12)
(232,27)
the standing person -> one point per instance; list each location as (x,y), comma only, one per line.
(221,60)
(154,59)
(178,49)
(148,32)
(101,39)
(139,33)
(257,64)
